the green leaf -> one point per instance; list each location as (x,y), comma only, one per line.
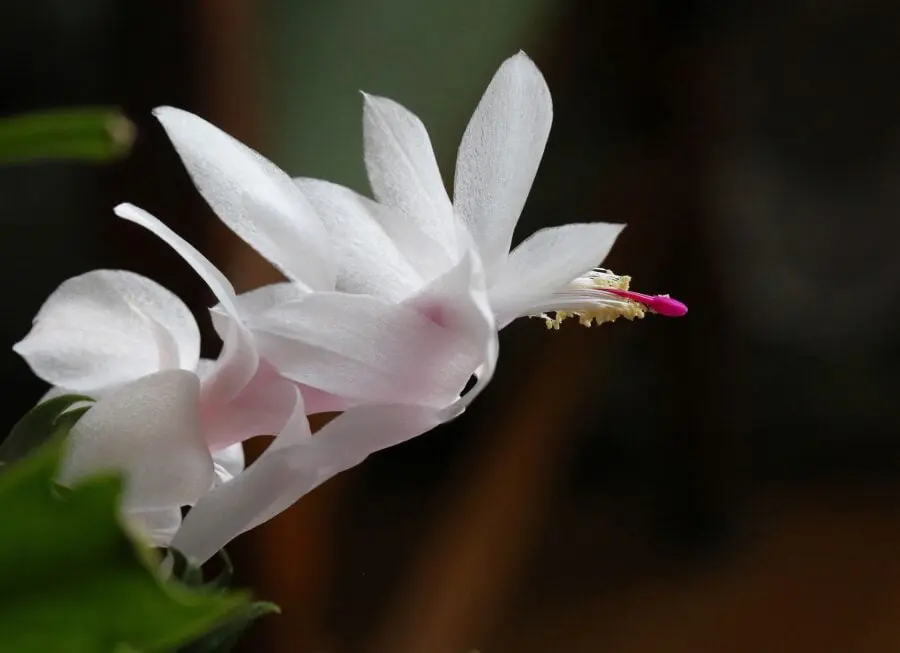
(224,638)
(73,580)
(40,424)
(66,421)
(192,575)
(184,569)
(223,579)
(76,134)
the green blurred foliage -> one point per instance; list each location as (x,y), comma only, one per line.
(49,419)
(92,134)
(73,579)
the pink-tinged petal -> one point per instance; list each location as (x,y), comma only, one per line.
(457,300)
(235,368)
(319,401)
(369,262)
(365,349)
(108,327)
(500,154)
(404,175)
(295,464)
(237,363)
(545,262)
(261,408)
(151,431)
(341,444)
(255,198)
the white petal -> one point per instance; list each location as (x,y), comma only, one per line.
(151,431)
(458,300)
(365,349)
(234,369)
(500,154)
(255,198)
(260,300)
(216,281)
(237,363)
(157,526)
(229,462)
(404,174)
(205,367)
(545,262)
(253,304)
(108,327)
(368,260)
(295,464)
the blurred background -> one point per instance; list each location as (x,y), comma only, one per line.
(724,482)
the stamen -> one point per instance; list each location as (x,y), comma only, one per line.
(601,296)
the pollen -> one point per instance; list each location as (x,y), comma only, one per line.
(598,316)
(601,296)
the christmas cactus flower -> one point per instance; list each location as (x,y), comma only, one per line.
(365,348)
(135,346)
(413,287)
(172,421)
(417,229)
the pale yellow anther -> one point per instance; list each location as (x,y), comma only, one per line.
(602,313)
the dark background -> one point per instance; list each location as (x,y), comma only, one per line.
(723,482)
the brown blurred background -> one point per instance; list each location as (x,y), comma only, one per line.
(727,482)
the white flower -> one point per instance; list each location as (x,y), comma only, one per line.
(399,300)
(156,418)
(414,232)
(366,348)
(163,413)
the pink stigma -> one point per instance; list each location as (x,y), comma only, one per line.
(661,304)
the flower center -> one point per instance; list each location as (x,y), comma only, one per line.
(601,296)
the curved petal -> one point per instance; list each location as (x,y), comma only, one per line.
(235,367)
(260,408)
(258,301)
(315,400)
(459,301)
(365,349)
(210,274)
(237,363)
(256,199)
(368,260)
(500,154)
(228,462)
(251,304)
(545,262)
(404,174)
(319,401)
(295,464)
(108,327)
(151,431)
